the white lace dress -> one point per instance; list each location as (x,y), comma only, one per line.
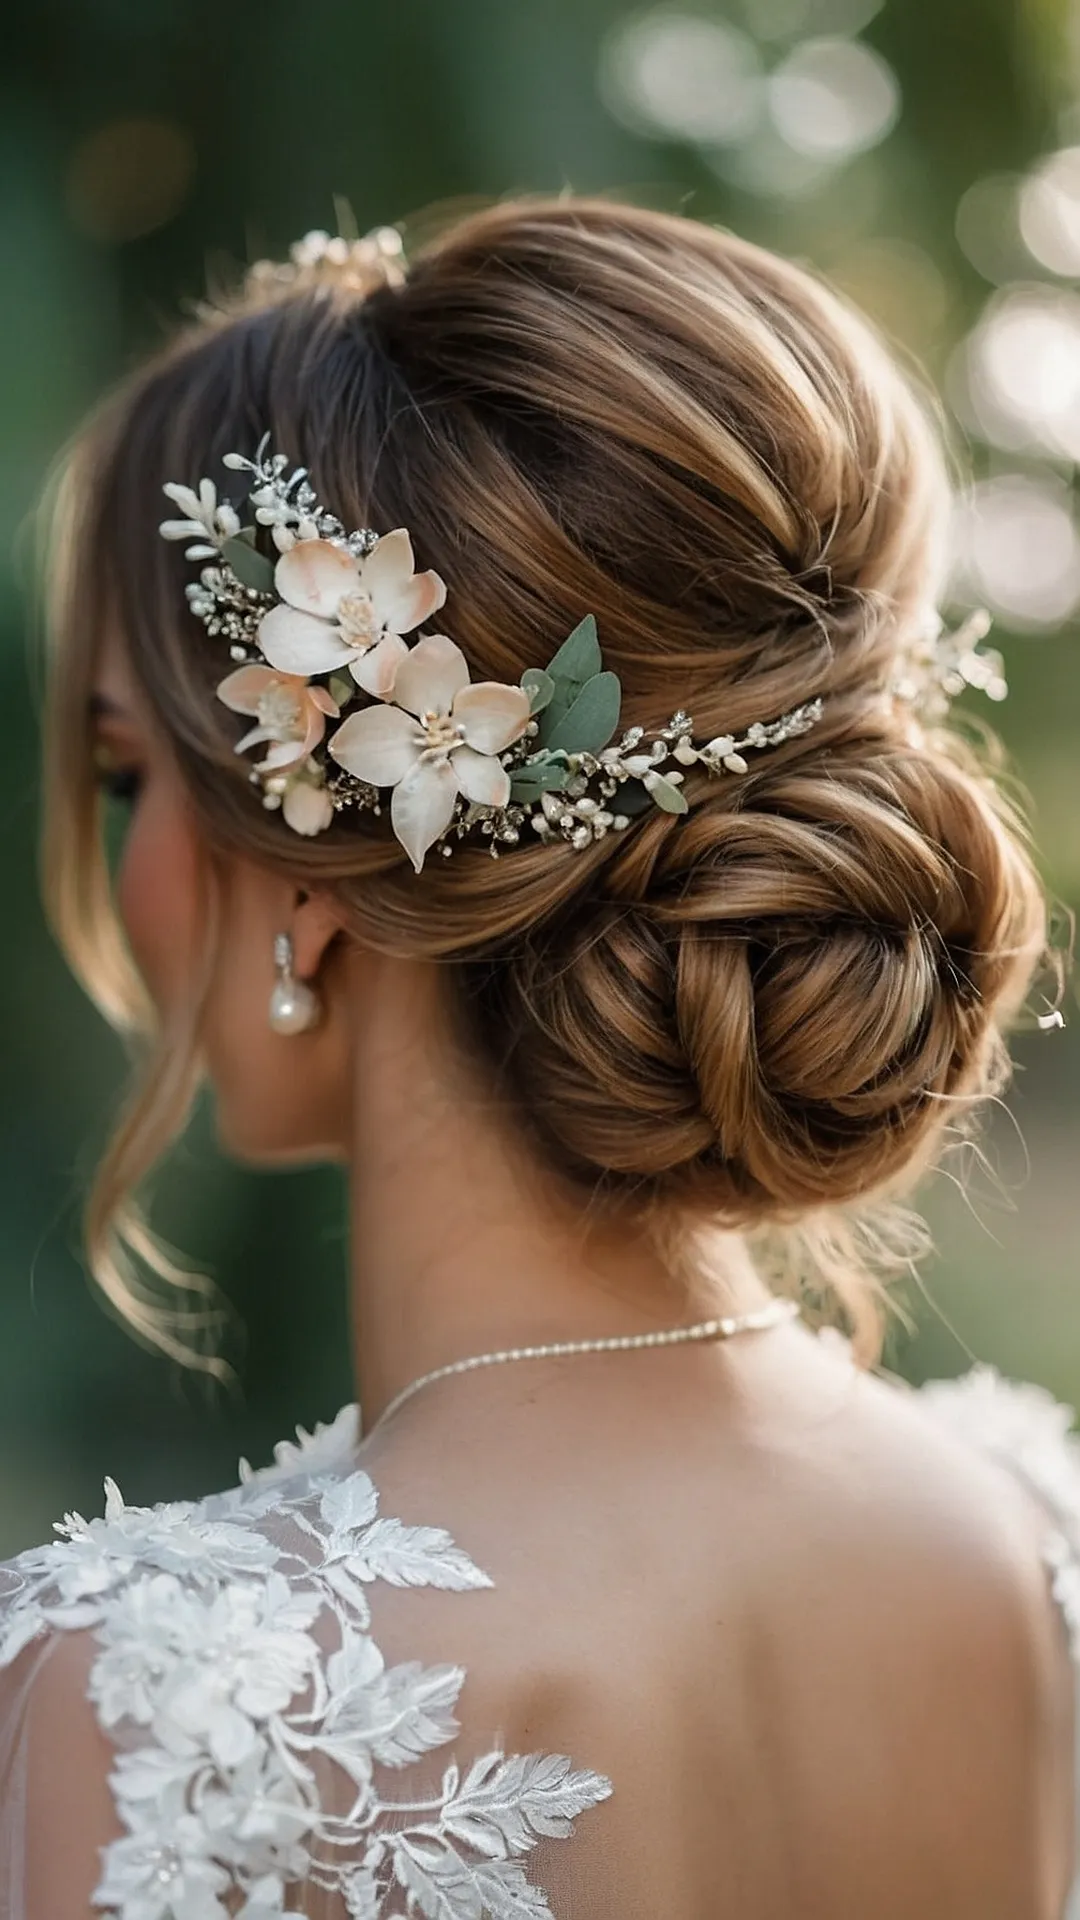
(262,1757)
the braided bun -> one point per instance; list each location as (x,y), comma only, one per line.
(777,1005)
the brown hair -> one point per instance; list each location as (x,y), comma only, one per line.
(760,1014)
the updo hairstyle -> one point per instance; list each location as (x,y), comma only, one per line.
(758,1015)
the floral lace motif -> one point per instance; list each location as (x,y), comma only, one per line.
(221,1698)
(1024,1429)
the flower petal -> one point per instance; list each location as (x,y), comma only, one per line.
(416,601)
(314,575)
(389,566)
(284,753)
(492,716)
(243,689)
(433,674)
(480,778)
(299,643)
(376,670)
(423,807)
(401,598)
(255,738)
(380,745)
(306,808)
(324,700)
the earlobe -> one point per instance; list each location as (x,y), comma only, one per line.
(316,923)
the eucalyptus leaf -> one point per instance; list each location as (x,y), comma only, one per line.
(342,688)
(663,794)
(579,656)
(545,776)
(540,688)
(577,661)
(251,568)
(592,719)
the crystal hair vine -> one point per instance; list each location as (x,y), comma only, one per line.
(323,626)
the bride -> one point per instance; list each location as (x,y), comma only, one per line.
(524,676)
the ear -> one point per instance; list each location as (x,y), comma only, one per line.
(316,923)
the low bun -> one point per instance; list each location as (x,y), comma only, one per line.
(778,1004)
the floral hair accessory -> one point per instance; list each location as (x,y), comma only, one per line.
(942,665)
(332,618)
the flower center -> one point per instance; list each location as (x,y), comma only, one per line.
(356,621)
(279,709)
(440,734)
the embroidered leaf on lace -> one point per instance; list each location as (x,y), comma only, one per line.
(210,1672)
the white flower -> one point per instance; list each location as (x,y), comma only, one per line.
(164,1873)
(342,612)
(288,711)
(261,1812)
(203,1664)
(139,1650)
(441,737)
(98,1555)
(207,522)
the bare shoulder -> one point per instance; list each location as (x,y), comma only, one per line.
(919,1560)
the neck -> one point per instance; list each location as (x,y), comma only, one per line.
(462,1242)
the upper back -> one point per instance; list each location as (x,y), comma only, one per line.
(751,1635)
(806,1631)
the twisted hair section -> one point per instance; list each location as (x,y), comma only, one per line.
(763,1013)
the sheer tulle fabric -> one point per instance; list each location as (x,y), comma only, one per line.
(285,1700)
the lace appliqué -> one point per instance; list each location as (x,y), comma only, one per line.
(221,1699)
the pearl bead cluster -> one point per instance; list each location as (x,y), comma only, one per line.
(722,1329)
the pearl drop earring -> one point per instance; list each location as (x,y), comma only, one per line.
(293,1006)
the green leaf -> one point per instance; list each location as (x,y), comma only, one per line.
(579,656)
(577,661)
(592,719)
(538,776)
(540,688)
(251,568)
(663,794)
(342,688)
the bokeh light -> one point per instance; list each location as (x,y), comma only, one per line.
(679,76)
(1016,548)
(831,99)
(129,177)
(1050,212)
(1017,379)
(988,227)
(795,19)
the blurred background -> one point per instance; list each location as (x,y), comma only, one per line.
(927,157)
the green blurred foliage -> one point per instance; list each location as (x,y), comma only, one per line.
(256,117)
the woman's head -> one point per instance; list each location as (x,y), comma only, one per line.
(757,1013)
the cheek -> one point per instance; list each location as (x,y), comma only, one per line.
(158,892)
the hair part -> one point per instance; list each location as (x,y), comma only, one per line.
(766,1015)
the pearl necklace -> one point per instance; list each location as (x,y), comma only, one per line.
(776,1312)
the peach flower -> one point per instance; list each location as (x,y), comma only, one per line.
(439,738)
(338,611)
(289,713)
